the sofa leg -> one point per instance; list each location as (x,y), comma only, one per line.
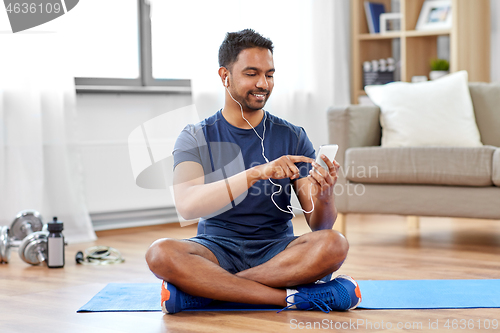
(340,223)
(413,222)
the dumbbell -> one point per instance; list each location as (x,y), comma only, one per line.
(28,225)
(5,244)
(26,222)
(25,233)
(33,248)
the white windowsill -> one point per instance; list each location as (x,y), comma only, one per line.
(133,89)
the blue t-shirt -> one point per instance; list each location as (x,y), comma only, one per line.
(224,150)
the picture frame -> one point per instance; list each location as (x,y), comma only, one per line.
(435,15)
(390,22)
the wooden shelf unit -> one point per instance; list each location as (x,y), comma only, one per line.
(469,41)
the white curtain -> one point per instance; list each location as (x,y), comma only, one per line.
(311,55)
(39,165)
(495,40)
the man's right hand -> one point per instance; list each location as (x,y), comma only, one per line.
(194,198)
(282,167)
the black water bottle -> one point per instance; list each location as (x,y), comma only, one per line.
(55,244)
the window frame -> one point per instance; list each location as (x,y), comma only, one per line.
(146,83)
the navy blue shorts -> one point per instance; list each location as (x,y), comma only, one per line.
(235,255)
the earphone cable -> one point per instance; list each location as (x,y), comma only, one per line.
(280,187)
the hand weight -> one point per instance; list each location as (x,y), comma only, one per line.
(27,227)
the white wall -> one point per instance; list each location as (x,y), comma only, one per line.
(105,122)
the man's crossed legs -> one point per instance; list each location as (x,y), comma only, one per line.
(195,270)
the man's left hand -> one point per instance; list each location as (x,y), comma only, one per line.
(323,181)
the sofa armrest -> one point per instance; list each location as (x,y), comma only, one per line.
(353,126)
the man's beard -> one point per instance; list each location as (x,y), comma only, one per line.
(254,105)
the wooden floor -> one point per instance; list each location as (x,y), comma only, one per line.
(38,299)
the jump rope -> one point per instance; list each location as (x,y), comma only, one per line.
(280,187)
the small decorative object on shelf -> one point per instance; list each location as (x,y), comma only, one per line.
(418,78)
(439,68)
(390,22)
(373,11)
(435,15)
(378,71)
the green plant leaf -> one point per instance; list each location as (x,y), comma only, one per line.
(440,65)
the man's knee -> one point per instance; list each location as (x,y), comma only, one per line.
(161,256)
(334,245)
(338,241)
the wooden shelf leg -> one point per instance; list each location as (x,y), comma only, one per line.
(413,222)
(340,223)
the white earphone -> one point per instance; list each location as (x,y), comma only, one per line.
(290,207)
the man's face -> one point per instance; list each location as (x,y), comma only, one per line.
(251,80)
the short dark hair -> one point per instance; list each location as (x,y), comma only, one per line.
(235,42)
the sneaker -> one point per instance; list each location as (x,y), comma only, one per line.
(341,293)
(174,300)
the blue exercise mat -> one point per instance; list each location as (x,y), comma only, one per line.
(430,294)
(119,297)
(388,294)
(139,297)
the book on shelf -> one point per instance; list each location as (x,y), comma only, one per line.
(373,11)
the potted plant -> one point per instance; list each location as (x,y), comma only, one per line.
(439,68)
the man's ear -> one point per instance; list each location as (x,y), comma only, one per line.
(224,75)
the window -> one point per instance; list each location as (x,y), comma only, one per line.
(107,45)
(110,42)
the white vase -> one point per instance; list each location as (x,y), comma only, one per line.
(434,75)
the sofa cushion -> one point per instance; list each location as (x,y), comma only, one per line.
(459,166)
(433,113)
(486,102)
(496,167)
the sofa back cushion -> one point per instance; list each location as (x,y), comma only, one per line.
(457,166)
(486,103)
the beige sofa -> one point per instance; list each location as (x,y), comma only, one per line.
(417,181)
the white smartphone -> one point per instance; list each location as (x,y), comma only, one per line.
(329,151)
